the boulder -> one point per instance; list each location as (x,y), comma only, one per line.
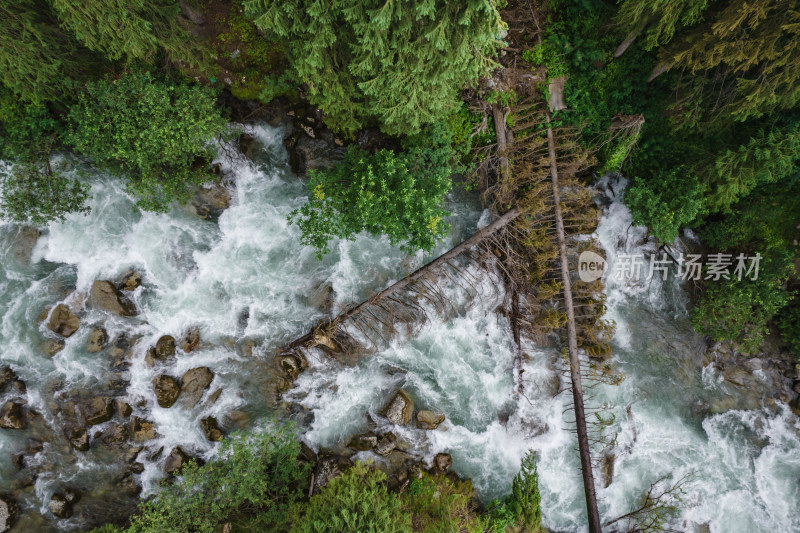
(130,281)
(236,418)
(12,416)
(104,295)
(247,144)
(61,503)
(8,513)
(24,243)
(114,436)
(195,382)
(176,460)
(18,387)
(78,437)
(142,429)
(124,409)
(97,340)
(327,468)
(314,154)
(363,442)
(128,486)
(120,345)
(63,321)
(165,347)
(98,410)
(167,389)
(429,419)
(386,444)
(210,202)
(399,409)
(52,346)
(441,463)
(190,340)
(211,429)
(7,375)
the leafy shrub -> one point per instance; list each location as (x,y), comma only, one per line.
(522,509)
(398,194)
(356,501)
(439,505)
(673,202)
(739,310)
(254,475)
(160,133)
(31,190)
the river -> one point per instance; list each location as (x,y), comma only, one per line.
(249,286)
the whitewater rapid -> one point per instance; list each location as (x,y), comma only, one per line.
(249,286)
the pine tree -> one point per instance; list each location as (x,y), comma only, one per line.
(403,62)
(36,55)
(743,62)
(659,19)
(129,29)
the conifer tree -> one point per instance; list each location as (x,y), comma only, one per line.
(743,62)
(130,29)
(659,19)
(403,62)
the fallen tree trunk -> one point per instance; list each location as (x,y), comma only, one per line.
(572,346)
(454,252)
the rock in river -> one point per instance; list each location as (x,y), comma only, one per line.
(429,419)
(104,295)
(195,382)
(399,409)
(97,340)
(211,429)
(12,416)
(63,321)
(98,410)
(8,513)
(167,390)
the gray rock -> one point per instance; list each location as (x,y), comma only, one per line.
(123,408)
(441,463)
(399,409)
(59,506)
(167,389)
(363,442)
(63,321)
(52,346)
(12,416)
(211,429)
(97,340)
(142,429)
(210,202)
(104,295)
(8,513)
(176,460)
(78,437)
(329,467)
(130,281)
(195,382)
(190,340)
(24,243)
(7,375)
(98,410)
(115,436)
(386,444)
(429,419)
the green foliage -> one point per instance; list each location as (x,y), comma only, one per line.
(356,501)
(37,56)
(402,63)
(740,310)
(255,474)
(396,194)
(768,157)
(129,29)
(667,205)
(659,19)
(256,65)
(788,321)
(742,63)
(31,190)
(522,509)
(158,132)
(439,505)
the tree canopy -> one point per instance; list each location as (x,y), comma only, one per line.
(401,63)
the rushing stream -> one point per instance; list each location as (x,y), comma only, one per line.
(249,286)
